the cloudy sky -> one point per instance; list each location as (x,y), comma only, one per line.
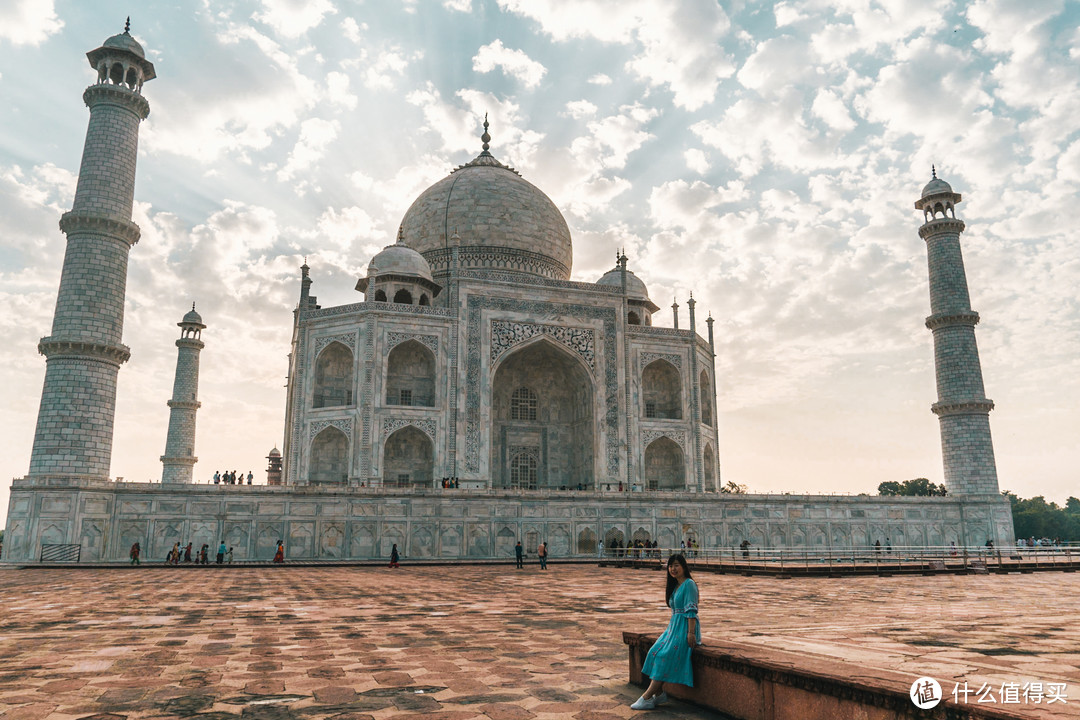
(764,156)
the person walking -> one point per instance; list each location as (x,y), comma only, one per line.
(204,554)
(600,549)
(393,556)
(228,557)
(221,553)
(279,554)
(519,555)
(135,549)
(541,552)
(668,660)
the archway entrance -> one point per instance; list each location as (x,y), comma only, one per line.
(664,467)
(542,420)
(408,459)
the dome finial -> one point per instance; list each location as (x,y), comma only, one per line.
(127,25)
(192,304)
(933,172)
(485,137)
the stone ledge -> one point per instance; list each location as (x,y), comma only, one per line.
(751,682)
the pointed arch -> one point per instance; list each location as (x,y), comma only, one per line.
(403,297)
(665,468)
(329,458)
(380,296)
(661,391)
(706,398)
(333,377)
(632,318)
(586,542)
(408,459)
(708,462)
(410,375)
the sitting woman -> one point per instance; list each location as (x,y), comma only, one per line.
(668,660)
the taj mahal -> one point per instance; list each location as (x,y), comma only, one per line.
(472,397)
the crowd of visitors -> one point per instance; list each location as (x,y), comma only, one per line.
(187,554)
(232,478)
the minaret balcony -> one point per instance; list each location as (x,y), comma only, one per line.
(52,347)
(118,95)
(115,227)
(977,406)
(940,320)
(939,226)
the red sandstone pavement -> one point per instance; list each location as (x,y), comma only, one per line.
(491,643)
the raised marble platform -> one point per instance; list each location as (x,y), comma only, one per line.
(340,523)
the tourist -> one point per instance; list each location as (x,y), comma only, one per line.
(541,552)
(600,549)
(187,553)
(519,555)
(877,547)
(135,554)
(174,554)
(668,660)
(279,555)
(228,557)
(745,547)
(221,553)
(204,554)
(393,556)
(250,477)
(217,477)
(888,546)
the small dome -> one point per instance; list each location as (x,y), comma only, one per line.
(192,318)
(124,41)
(634,285)
(399,260)
(275,452)
(935,187)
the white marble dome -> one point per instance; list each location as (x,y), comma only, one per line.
(124,41)
(935,187)
(635,287)
(498,219)
(399,260)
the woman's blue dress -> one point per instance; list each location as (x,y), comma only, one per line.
(669,658)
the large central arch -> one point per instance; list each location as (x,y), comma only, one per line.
(542,409)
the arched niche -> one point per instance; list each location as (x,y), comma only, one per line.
(403,297)
(709,462)
(586,542)
(706,399)
(329,458)
(542,405)
(664,465)
(523,471)
(333,377)
(408,459)
(661,391)
(380,296)
(410,375)
(632,318)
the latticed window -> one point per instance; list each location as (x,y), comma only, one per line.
(406,397)
(650,410)
(523,471)
(403,480)
(523,404)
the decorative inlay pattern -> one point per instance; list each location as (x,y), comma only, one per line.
(345,425)
(505,335)
(346,339)
(610,390)
(392,425)
(505,259)
(367,403)
(648,436)
(650,330)
(381,307)
(393,339)
(523,279)
(532,450)
(648,357)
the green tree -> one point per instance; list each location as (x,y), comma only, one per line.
(919,487)
(1035,517)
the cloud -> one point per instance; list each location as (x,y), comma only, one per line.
(462,6)
(696,160)
(291,18)
(514,63)
(315,135)
(677,41)
(579,109)
(600,79)
(387,67)
(28,22)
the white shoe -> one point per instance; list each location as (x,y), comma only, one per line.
(660,699)
(644,704)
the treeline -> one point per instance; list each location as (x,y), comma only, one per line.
(1034,517)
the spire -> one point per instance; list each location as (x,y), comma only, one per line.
(933,172)
(193,306)
(486,138)
(127,25)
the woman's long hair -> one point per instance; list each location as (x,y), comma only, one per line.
(672,583)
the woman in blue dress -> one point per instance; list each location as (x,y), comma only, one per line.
(668,660)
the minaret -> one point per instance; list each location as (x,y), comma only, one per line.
(179,458)
(84,353)
(675,314)
(962,407)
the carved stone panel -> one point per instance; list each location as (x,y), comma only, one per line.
(506,334)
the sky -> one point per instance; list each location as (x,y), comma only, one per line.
(763,156)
